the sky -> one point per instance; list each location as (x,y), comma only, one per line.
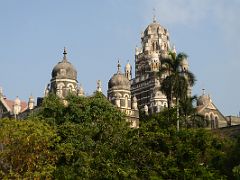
(97,33)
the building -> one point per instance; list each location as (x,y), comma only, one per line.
(155,46)
(129,94)
(119,94)
(64,79)
(12,108)
(210,112)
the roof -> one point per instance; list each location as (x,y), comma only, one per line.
(8,104)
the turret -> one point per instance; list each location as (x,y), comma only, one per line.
(80,91)
(31,103)
(134,103)
(128,71)
(99,86)
(17,106)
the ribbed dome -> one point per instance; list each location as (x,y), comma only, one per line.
(154,27)
(64,69)
(119,81)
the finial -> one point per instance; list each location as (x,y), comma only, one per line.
(203,91)
(119,67)
(64,54)
(154,15)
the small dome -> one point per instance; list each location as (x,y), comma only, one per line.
(64,69)
(119,81)
(203,100)
(128,66)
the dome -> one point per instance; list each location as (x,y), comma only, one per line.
(64,69)
(154,28)
(128,66)
(119,81)
(203,100)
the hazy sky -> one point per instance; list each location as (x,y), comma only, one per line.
(98,32)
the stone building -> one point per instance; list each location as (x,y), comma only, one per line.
(155,46)
(64,79)
(210,112)
(12,108)
(119,94)
(129,94)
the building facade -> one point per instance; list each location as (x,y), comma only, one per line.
(119,94)
(145,86)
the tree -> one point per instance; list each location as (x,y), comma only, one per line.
(177,81)
(27,149)
(189,114)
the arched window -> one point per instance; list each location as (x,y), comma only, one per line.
(70,87)
(212,121)
(59,91)
(126,101)
(216,121)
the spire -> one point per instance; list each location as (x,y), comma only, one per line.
(65,55)
(154,16)
(119,67)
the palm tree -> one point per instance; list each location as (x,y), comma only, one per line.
(175,80)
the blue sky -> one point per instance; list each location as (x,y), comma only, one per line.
(98,33)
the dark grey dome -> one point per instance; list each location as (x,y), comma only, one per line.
(64,70)
(119,81)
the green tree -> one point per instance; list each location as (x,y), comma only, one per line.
(188,113)
(27,149)
(176,83)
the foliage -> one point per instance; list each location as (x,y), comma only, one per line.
(176,81)
(27,149)
(88,138)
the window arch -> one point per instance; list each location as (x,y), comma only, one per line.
(212,121)
(70,87)
(216,121)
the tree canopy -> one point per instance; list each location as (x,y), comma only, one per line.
(89,138)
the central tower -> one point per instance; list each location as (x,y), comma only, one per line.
(146,84)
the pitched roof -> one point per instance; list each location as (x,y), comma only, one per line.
(9,104)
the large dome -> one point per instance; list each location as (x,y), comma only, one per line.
(154,28)
(64,69)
